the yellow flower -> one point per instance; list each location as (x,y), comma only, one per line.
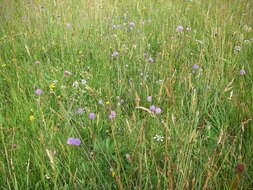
(3,65)
(52,86)
(31,118)
(107,102)
(14,60)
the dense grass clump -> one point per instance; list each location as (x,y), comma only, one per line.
(114,94)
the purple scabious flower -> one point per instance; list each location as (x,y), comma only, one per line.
(112,115)
(242,72)
(149,98)
(115,54)
(131,23)
(145,54)
(158,110)
(195,66)
(152,108)
(68,25)
(83,81)
(38,91)
(92,115)
(79,110)
(67,73)
(74,141)
(180,28)
(150,60)
(36,62)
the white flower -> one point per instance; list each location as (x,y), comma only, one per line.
(75,84)
(158,138)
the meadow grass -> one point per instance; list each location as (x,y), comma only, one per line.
(122,60)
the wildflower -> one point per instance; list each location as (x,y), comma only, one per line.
(52,86)
(100,102)
(74,141)
(36,62)
(38,91)
(158,110)
(75,84)
(145,54)
(13,145)
(79,110)
(150,60)
(188,29)
(55,81)
(83,81)
(152,108)
(237,48)
(68,25)
(180,28)
(158,138)
(31,118)
(92,115)
(131,23)
(67,73)
(115,54)
(195,66)
(128,156)
(149,98)
(112,115)
(142,23)
(242,72)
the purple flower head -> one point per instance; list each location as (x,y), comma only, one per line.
(152,108)
(36,62)
(13,145)
(142,23)
(92,115)
(131,23)
(242,72)
(68,25)
(149,98)
(83,81)
(115,54)
(74,141)
(150,60)
(180,28)
(145,54)
(67,73)
(158,110)
(79,110)
(38,91)
(112,115)
(195,66)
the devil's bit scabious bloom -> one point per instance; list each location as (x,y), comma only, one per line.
(158,110)
(92,115)
(74,141)
(149,98)
(195,66)
(242,72)
(180,28)
(67,73)
(115,54)
(152,108)
(38,91)
(112,115)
